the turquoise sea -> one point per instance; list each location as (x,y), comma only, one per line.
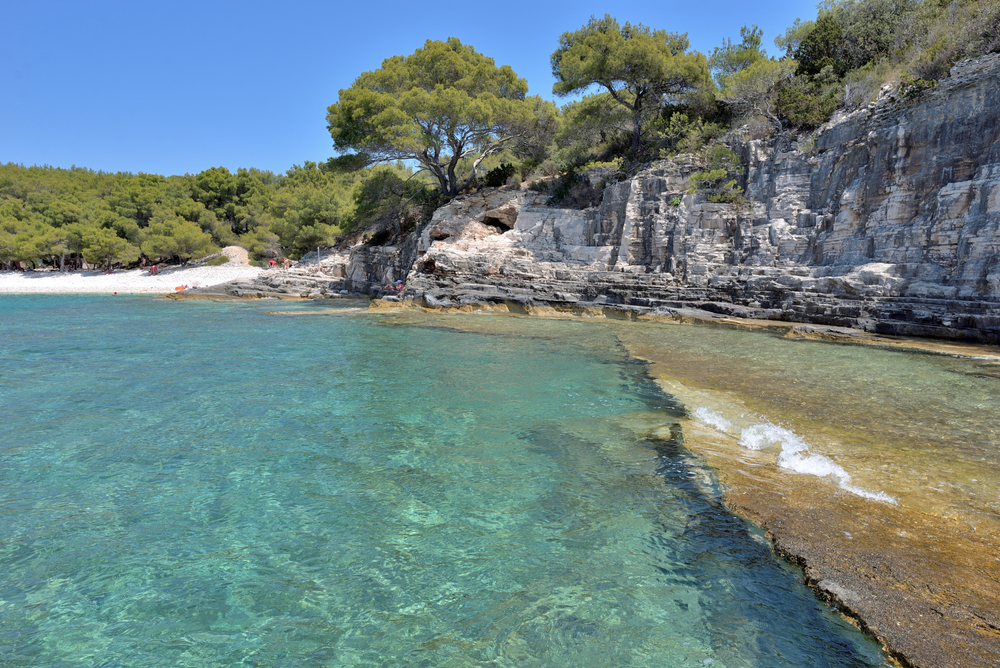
(208,484)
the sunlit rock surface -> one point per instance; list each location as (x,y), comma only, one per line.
(887,220)
(888,223)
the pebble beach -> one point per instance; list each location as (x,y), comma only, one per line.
(134,281)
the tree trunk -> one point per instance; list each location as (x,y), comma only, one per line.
(636,130)
(782,143)
(442,179)
(452,179)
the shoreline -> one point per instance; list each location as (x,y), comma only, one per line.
(904,585)
(874,597)
(691,316)
(680,316)
(131,281)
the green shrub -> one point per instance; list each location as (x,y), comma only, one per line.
(936,58)
(849,34)
(820,47)
(863,85)
(549,167)
(528,165)
(805,103)
(719,182)
(498,176)
(217,261)
(808,145)
(869,29)
(614,164)
(934,35)
(911,88)
(681,133)
(573,191)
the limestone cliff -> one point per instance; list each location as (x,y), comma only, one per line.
(888,220)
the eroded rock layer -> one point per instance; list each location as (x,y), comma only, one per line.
(886,220)
(889,221)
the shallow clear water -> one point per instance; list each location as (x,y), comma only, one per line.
(917,428)
(205,484)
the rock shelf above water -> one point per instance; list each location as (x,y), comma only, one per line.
(887,220)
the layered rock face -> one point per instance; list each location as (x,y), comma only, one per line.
(886,220)
(361,269)
(889,220)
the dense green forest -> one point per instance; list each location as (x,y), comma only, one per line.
(446,119)
(49,215)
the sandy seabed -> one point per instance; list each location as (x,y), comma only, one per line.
(133,281)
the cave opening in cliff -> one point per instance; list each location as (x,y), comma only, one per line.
(499,224)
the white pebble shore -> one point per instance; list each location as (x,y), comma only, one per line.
(134,281)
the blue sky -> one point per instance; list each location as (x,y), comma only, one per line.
(177,87)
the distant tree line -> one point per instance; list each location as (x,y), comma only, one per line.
(426,127)
(62,217)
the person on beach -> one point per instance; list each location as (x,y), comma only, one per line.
(271,263)
(286,264)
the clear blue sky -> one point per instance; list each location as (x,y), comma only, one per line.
(175,87)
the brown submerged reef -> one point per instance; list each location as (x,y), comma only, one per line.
(883,229)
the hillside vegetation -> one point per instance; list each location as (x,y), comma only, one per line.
(52,215)
(446,119)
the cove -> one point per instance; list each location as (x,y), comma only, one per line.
(207,484)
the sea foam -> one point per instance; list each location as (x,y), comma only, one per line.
(794,454)
(713,419)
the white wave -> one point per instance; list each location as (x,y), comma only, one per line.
(861,491)
(818,465)
(713,419)
(794,455)
(764,435)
